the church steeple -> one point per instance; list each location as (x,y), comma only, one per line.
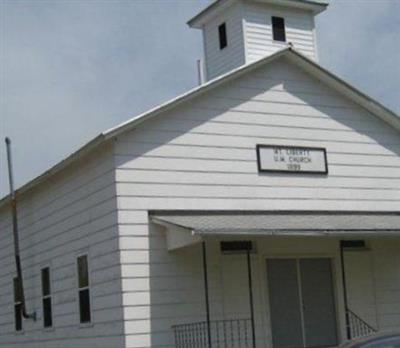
(237,32)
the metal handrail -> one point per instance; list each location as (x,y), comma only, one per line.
(237,332)
(358,327)
(223,333)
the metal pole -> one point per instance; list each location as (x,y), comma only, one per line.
(345,298)
(253,331)
(206,293)
(200,71)
(20,284)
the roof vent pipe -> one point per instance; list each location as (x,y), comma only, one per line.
(20,284)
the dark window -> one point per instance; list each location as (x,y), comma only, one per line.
(17,291)
(18,316)
(353,244)
(45,281)
(236,246)
(84,293)
(223,38)
(47,312)
(84,306)
(278,29)
(83,272)
(46,298)
(17,305)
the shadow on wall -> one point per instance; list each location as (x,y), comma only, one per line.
(177,292)
(176,287)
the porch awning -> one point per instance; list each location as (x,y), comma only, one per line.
(256,223)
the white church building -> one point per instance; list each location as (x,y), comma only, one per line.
(259,210)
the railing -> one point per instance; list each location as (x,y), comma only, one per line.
(235,333)
(358,327)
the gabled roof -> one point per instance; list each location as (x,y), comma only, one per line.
(295,57)
(316,6)
(292,55)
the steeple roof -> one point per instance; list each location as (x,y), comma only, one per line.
(315,6)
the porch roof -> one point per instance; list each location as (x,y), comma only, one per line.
(282,223)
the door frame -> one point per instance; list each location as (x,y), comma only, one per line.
(336,284)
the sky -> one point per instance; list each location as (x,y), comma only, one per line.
(70,69)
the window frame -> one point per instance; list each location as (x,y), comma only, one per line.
(83,289)
(222,36)
(17,302)
(278,31)
(45,297)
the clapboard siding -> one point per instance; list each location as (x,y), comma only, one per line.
(220,166)
(249,32)
(165,290)
(361,285)
(219,61)
(386,257)
(201,156)
(246,154)
(156,299)
(197,178)
(258,31)
(233,203)
(154,190)
(278,132)
(74,211)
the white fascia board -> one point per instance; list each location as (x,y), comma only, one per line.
(315,6)
(295,233)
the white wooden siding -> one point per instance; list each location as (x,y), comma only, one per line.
(206,150)
(259,41)
(220,61)
(249,31)
(361,285)
(202,156)
(374,283)
(386,258)
(169,290)
(157,300)
(74,211)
